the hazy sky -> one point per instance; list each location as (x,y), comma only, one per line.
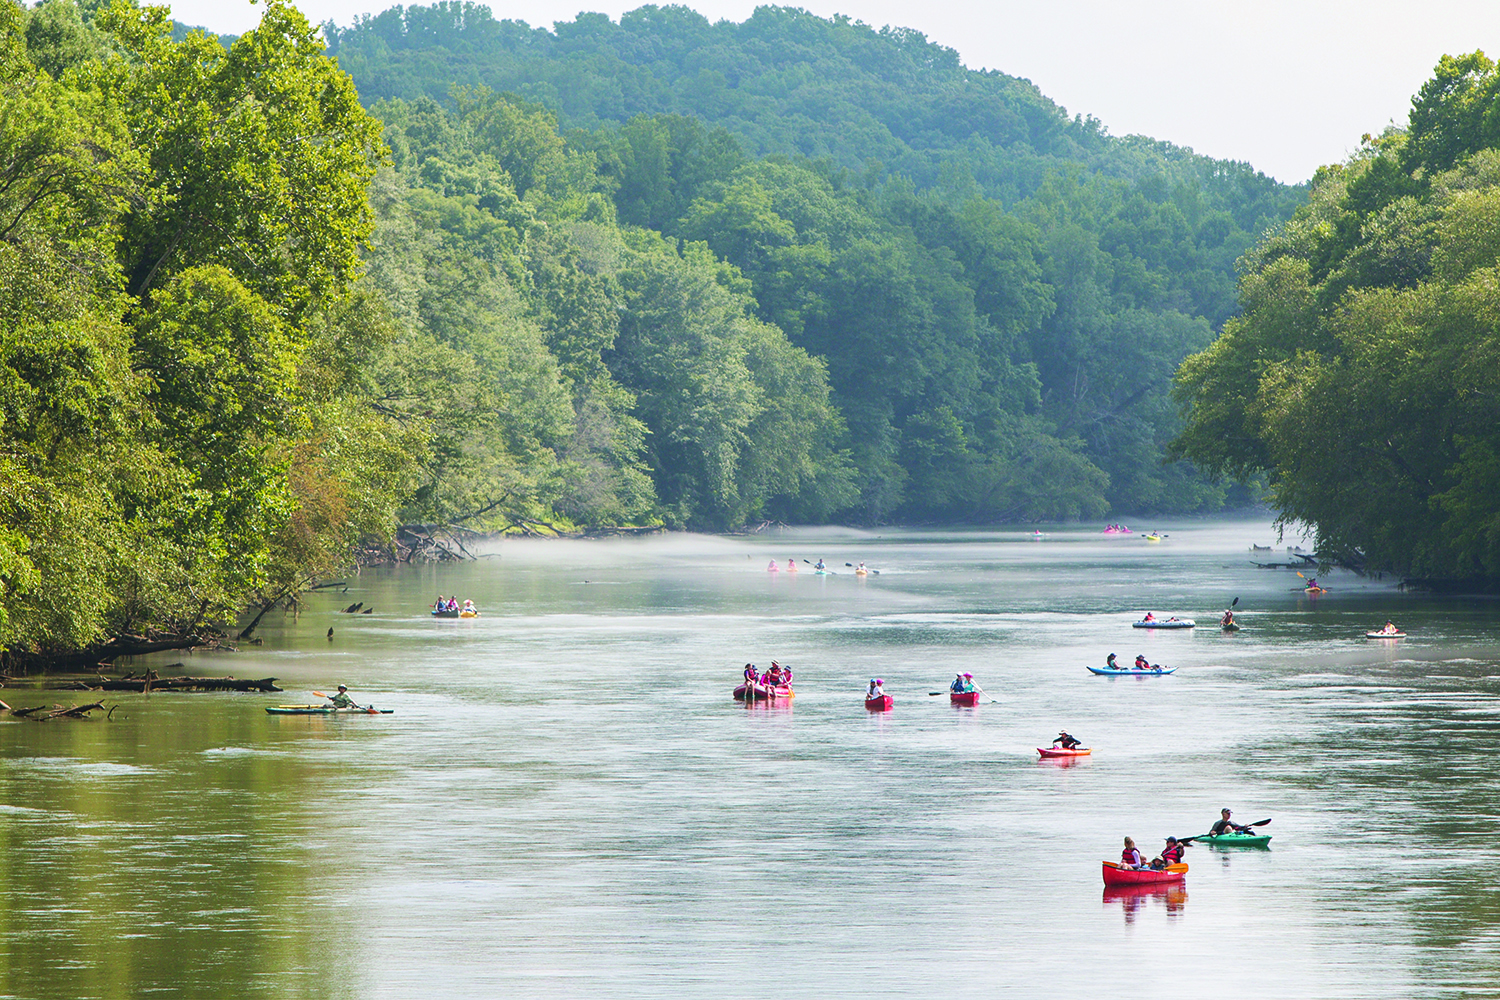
(1284,84)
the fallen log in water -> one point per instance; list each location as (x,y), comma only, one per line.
(57,711)
(149,683)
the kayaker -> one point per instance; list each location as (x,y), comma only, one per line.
(786,674)
(1228,618)
(791,565)
(774,676)
(469,606)
(342,699)
(1390,627)
(876,690)
(1130,857)
(1141,662)
(773,568)
(1110,663)
(1150,617)
(819,565)
(1226,825)
(957,687)
(1066,741)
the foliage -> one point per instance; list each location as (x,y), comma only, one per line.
(1361,373)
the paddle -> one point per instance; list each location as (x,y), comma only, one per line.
(825,569)
(986,694)
(1189,840)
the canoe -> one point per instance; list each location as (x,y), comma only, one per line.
(1385,635)
(1235,840)
(1116,874)
(881,704)
(1132,672)
(1060,752)
(324,710)
(964,697)
(764,692)
(1179,623)
(446,614)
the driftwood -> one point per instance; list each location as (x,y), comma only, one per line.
(57,711)
(150,682)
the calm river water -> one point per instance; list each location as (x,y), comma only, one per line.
(567,803)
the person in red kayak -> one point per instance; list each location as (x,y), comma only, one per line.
(1066,741)
(877,689)
(1226,825)
(1130,857)
(1170,855)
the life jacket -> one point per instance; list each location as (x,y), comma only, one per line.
(1130,856)
(1172,855)
(751,676)
(1141,664)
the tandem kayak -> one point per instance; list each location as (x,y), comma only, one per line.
(1132,672)
(324,710)
(1385,635)
(1171,623)
(1117,874)
(1235,839)
(881,704)
(446,614)
(1060,752)
(969,698)
(764,692)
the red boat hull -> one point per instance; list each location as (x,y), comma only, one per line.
(881,704)
(763,692)
(1060,752)
(1116,875)
(964,697)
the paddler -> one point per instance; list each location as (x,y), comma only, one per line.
(1065,741)
(773,568)
(1171,854)
(1390,628)
(342,699)
(819,565)
(1228,618)
(1141,663)
(1130,857)
(1150,617)
(876,689)
(774,676)
(1226,825)
(791,565)
(1110,663)
(752,676)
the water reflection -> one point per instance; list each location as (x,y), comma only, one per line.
(1133,898)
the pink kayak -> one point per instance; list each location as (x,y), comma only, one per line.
(1060,752)
(764,692)
(1117,874)
(881,704)
(964,697)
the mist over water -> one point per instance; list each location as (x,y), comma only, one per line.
(567,802)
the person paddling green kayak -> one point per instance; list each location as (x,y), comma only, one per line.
(1226,825)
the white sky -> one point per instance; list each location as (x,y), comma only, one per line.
(1286,85)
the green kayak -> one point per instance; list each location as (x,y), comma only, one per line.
(1235,839)
(324,710)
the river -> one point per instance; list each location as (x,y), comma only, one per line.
(567,803)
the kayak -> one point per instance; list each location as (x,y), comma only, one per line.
(881,704)
(1117,874)
(861,572)
(1153,538)
(446,614)
(1315,590)
(1235,839)
(324,710)
(1385,635)
(1231,627)
(1132,672)
(468,614)
(1060,752)
(1179,623)
(964,697)
(764,692)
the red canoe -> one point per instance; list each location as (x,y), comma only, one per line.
(881,704)
(1060,752)
(964,697)
(764,692)
(1116,874)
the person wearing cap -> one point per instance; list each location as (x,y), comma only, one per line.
(876,691)
(1066,741)
(962,684)
(1141,663)
(1171,854)
(342,699)
(1226,825)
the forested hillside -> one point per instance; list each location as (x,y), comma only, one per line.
(1364,374)
(1000,292)
(251,319)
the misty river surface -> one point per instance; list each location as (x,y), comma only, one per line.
(567,803)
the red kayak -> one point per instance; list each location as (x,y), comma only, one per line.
(764,692)
(964,697)
(1117,874)
(1060,752)
(881,704)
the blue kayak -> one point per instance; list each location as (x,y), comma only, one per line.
(1132,672)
